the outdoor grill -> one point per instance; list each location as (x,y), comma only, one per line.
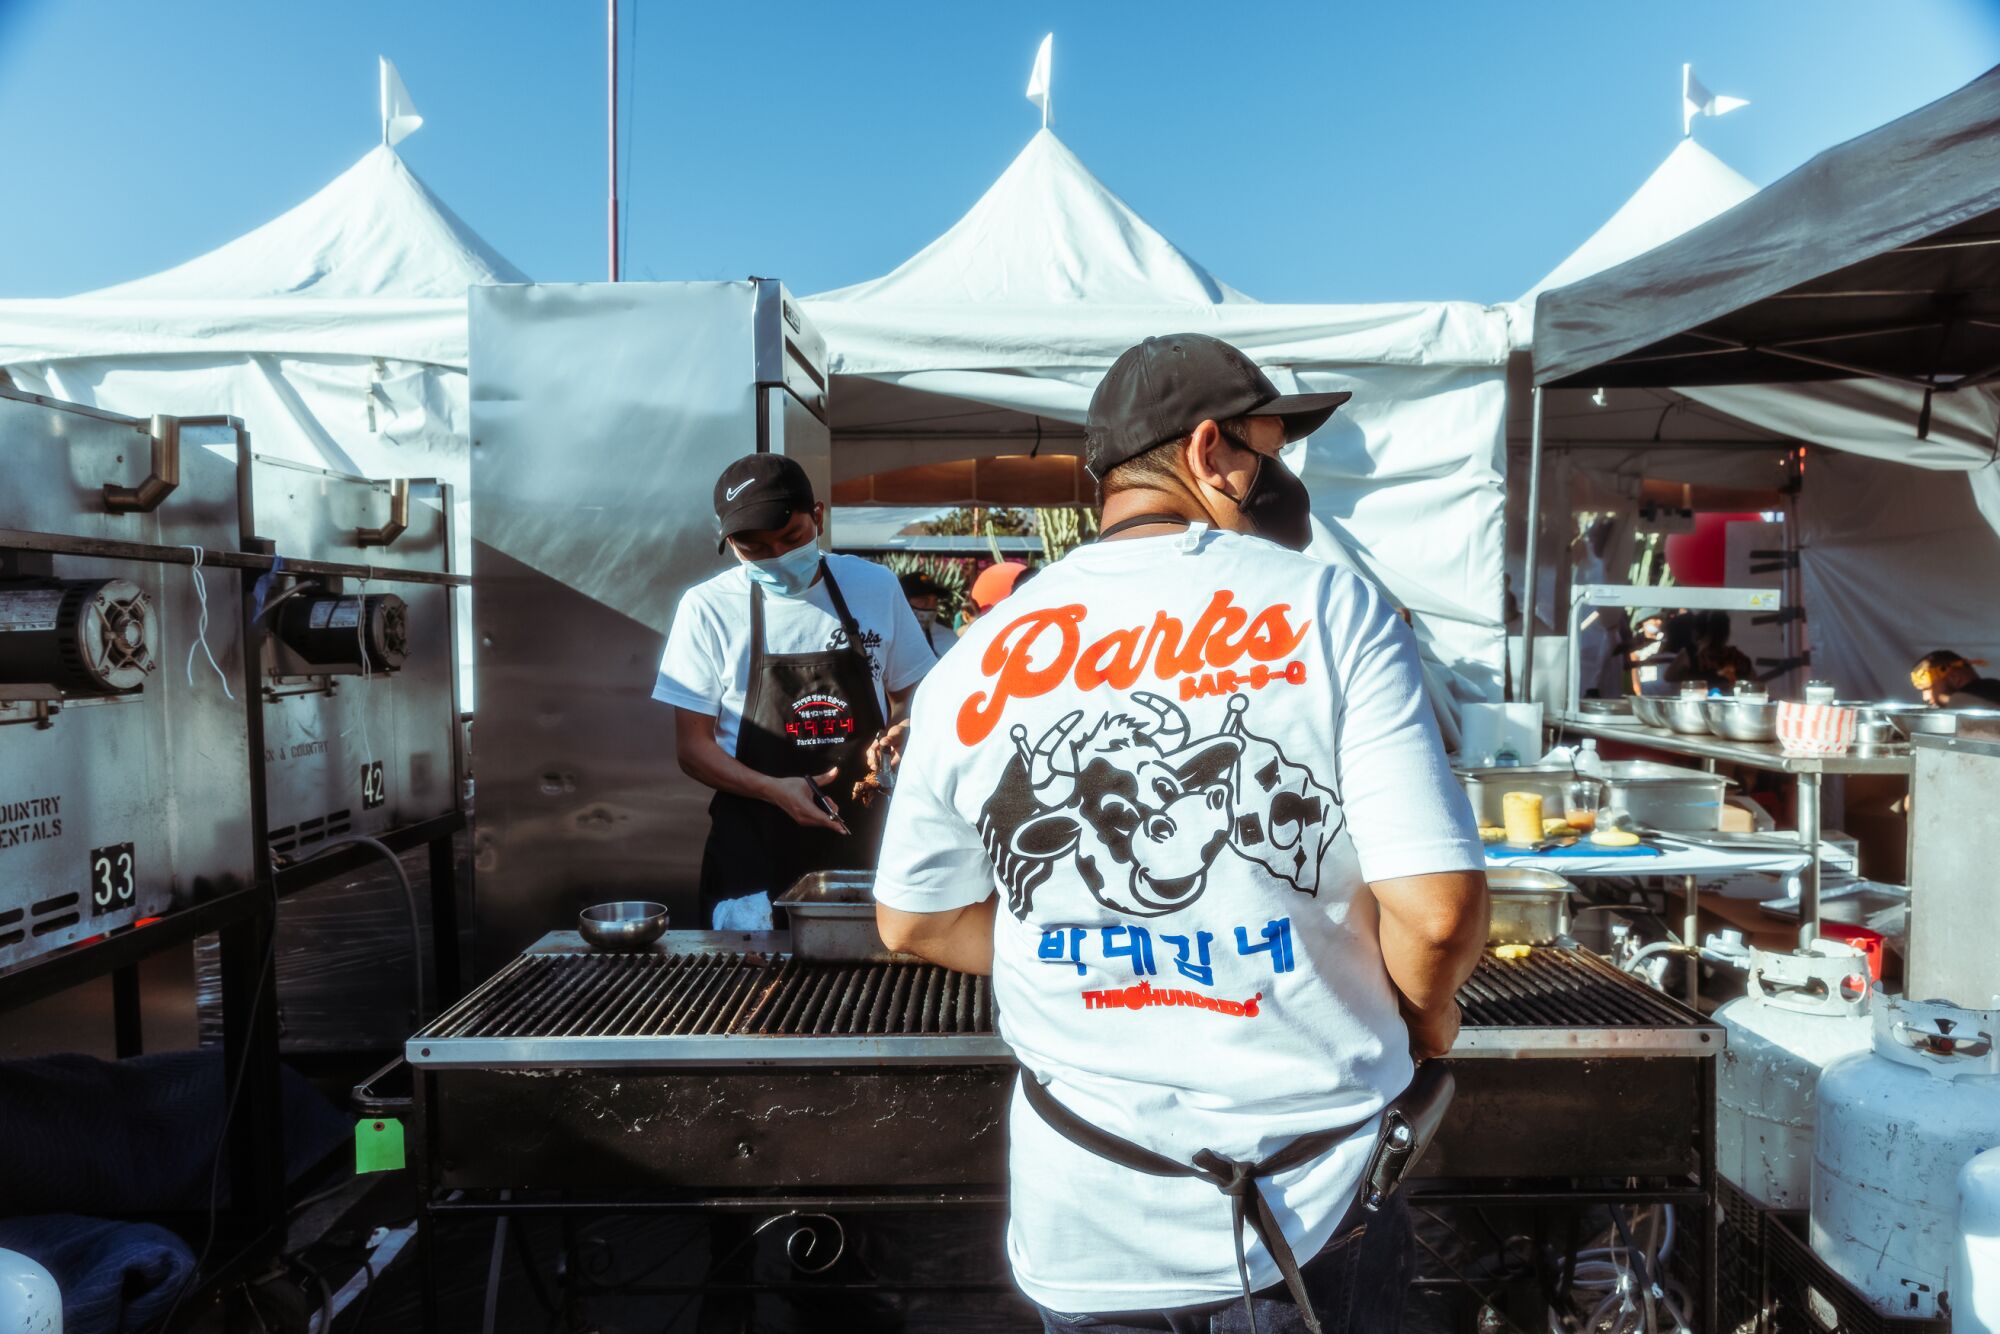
(717,1071)
(719,1061)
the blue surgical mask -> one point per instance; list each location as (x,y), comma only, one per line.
(789,575)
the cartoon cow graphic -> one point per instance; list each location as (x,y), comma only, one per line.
(1143,810)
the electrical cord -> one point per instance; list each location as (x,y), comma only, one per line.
(303,586)
(409,899)
(228,1115)
(325,1292)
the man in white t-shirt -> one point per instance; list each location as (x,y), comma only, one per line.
(1183,797)
(789,673)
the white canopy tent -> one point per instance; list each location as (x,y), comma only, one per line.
(991,339)
(336,331)
(1895,558)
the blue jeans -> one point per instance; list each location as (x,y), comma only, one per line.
(1357,1283)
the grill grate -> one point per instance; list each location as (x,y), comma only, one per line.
(1564,988)
(716,995)
(728,994)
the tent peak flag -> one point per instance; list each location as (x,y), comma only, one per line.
(399,114)
(1038,78)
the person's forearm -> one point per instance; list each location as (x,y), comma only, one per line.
(961,939)
(1432,939)
(710,766)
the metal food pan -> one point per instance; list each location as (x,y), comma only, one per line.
(1529,906)
(1657,796)
(832,918)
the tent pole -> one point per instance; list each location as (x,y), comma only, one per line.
(1525,595)
(611,106)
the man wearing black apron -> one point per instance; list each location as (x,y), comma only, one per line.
(1184,799)
(786,672)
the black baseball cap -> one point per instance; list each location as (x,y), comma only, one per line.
(757,492)
(1166,386)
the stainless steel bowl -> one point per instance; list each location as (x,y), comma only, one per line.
(1647,709)
(1752,719)
(1616,712)
(1686,714)
(630,925)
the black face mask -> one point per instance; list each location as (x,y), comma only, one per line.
(1278,506)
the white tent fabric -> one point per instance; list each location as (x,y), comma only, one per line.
(1046,231)
(374,230)
(336,331)
(991,339)
(1687,189)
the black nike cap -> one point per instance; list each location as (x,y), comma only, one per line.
(1165,387)
(758,492)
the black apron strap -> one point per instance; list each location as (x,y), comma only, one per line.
(1237,1180)
(1140,521)
(845,617)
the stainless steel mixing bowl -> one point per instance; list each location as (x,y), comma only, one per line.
(1686,714)
(1647,709)
(630,925)
(1753,719)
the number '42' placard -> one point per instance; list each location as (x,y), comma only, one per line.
(374,791)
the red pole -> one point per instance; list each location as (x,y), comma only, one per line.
(611,32)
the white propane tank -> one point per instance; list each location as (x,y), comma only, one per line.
(1895,1126)
(30,1302)
(1802,1012)
(1975,1270)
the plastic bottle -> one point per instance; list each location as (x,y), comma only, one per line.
(1587,761)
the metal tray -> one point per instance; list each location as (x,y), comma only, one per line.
(832,918)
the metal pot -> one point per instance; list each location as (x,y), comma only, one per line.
(1647,709)
(1744,719)
(1686,714)
(1529,906)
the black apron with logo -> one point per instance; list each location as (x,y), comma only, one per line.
(803,713)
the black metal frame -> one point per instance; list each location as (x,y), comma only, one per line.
(244,916)
(1695,1193)
(1699,1192)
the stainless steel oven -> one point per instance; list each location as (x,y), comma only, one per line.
(124,760)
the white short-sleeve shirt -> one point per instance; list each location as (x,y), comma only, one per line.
(706,665)
(1179,761)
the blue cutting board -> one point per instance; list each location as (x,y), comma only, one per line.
(1581,848)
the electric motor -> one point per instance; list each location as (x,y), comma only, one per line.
(81,636)
(333,632)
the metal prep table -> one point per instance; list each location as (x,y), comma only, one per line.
(714,1071)
(1807,770)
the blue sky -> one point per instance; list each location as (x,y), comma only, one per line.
(1302,151)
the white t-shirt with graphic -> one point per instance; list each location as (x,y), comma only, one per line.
(706,666)
(1179,760)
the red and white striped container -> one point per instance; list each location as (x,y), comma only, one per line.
(1814,729)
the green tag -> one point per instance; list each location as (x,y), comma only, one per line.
(378,1145)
